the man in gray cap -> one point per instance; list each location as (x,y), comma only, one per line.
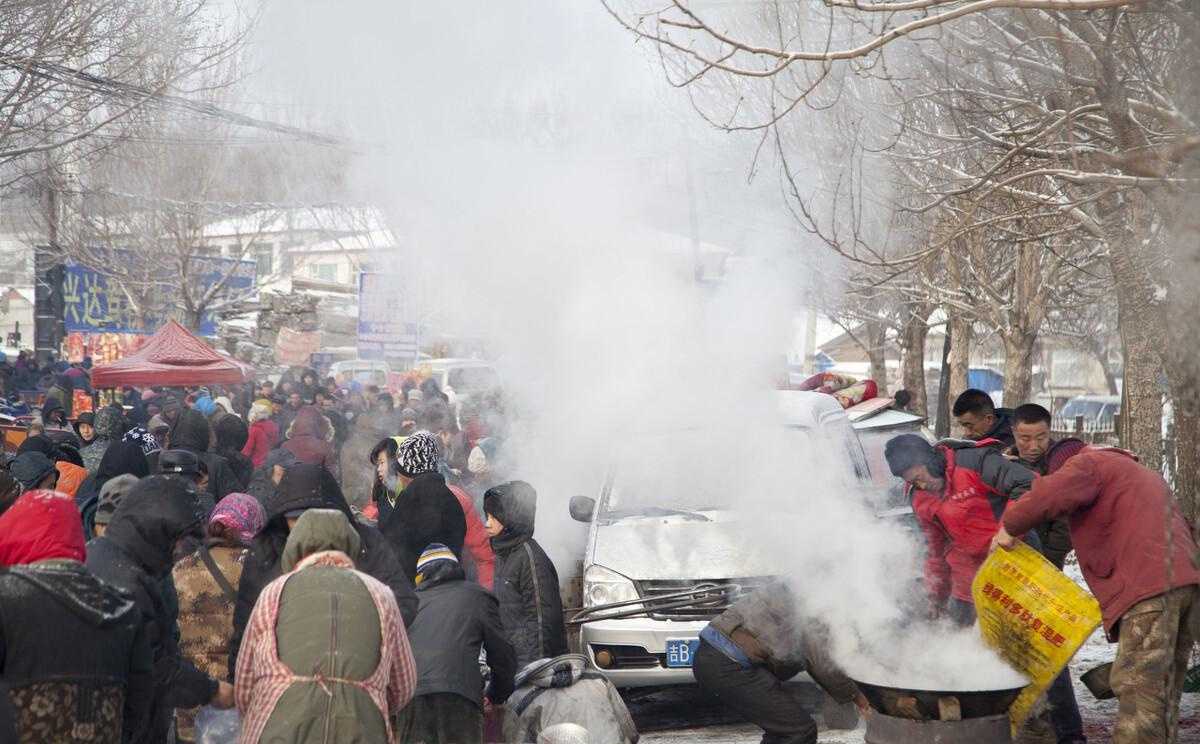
(34,470)
(111,494)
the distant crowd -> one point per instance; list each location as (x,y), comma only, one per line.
(290,561)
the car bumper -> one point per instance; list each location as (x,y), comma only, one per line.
(639,648)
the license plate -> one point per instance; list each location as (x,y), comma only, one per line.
(681,652)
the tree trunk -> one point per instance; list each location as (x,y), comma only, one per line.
(912,361)
(1018,367)
(877,353)
(961,335)
(1140,320)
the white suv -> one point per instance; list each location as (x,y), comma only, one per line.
(654,576)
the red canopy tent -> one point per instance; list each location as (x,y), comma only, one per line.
(172,357)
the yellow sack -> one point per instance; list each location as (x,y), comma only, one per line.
(1033,616)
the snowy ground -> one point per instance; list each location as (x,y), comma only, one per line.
(684,716)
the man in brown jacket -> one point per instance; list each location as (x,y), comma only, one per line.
(747,653)
(1140,560)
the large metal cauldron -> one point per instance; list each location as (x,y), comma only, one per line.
(906,716)
(938,705)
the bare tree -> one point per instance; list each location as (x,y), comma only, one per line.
(1082,116)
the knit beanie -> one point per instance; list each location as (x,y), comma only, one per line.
(433,555)
(1062,451)
(418,454)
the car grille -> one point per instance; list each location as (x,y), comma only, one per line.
(701,609)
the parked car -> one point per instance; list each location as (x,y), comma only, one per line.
(462,378)
(655,571)
(363,371)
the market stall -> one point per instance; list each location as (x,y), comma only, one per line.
(172,357)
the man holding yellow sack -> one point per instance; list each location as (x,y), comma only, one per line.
(1140,561)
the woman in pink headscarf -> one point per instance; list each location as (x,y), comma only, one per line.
(207,583)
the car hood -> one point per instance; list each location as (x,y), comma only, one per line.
(649,548)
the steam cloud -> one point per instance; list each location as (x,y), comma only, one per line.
(533,167)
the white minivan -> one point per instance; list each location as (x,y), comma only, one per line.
(654,575)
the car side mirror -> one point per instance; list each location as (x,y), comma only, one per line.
(582,508)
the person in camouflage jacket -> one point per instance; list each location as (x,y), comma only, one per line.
(205,606)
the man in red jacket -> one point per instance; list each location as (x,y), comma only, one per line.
(1140,560)
(958,489)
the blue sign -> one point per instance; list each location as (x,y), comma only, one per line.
(383,331)
(94,303)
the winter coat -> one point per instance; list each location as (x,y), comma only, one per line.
(205,616)
(263,437)
(97,687)
(455,619)
(959,522)
(109,424)
(311,487)
(193,433)
(135,555)
(326,658)
(70,477)
(1130,536)
(232,436)
(563,690)
(768,630)
(526,582)
(426,512)
(477,548)
(310,439)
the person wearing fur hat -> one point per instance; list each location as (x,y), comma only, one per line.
(456,618)
(525,580)
(426,511)
(1138,556)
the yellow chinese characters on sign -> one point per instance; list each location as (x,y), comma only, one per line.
(1034,616)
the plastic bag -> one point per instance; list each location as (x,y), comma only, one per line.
(1034,616)
(215,726)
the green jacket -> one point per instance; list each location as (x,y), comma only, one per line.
(327,628)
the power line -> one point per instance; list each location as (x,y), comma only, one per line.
(118,89)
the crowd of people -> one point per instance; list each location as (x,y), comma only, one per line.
(332,564)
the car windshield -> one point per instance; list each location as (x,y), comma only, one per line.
(689,477)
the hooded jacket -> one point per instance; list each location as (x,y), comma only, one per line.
(262,438)
(231,438)
(135,555)
(311,487)
(309,438)
(326,657)
(1131,538)
(426,512)
(526,583)
(109,424)
(193,433)
(120,458)
(106,670)
(455,619)
(959,522)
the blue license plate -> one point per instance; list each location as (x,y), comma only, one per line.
(681,652)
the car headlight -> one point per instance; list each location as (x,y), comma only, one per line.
(603,586)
